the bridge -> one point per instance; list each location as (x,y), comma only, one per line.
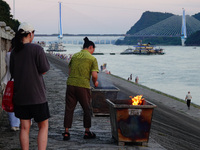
(76,40)
(170,27)
(174,26)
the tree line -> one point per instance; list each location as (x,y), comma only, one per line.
(7,17)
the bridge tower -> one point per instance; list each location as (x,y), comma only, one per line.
(60,36)
(183,30)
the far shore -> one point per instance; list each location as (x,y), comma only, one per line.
(81,35)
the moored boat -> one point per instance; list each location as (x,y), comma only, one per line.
(56,47)
(143,49)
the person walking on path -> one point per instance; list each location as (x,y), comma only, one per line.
(136,79)
(188,98)
(28,63)
(14,121)
(81,67)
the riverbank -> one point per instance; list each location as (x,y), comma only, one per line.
(170,116)
(153,95)
(177,101)
(172,121)
(55,80)
(160,139)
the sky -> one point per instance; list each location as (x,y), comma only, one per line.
(93,16)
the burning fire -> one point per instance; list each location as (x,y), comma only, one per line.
(137,100)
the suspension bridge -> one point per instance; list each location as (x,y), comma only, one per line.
(171,27)
(175,26)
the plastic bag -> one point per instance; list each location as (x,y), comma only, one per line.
(7,101)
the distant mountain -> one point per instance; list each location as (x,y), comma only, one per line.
(197,16)
(148,19)
(193,39)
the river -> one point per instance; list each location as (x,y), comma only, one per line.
(174,73)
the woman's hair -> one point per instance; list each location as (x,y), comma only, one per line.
(18,40)
(13,43)
(88,43)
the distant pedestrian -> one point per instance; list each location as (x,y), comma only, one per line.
(101,68)
(188,98)
(136,79)
(131,76)
(28,63)
(81,67)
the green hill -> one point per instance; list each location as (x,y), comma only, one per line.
(148,19)
(193,39)
(197,16)
(151,18)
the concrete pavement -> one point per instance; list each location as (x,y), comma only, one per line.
(55,81)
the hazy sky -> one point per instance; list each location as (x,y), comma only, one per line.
(94,16)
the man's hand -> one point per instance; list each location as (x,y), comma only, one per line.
(96,83)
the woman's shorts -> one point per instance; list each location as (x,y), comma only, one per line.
(39,112)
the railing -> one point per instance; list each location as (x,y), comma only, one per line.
(6,35)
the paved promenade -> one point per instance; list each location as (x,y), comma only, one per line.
(55,81)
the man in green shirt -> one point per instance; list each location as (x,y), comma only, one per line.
(81,67)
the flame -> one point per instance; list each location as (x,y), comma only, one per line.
(137,100)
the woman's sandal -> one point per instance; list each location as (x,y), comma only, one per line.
(89,135)
(66,138)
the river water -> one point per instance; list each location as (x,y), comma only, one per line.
(175,73)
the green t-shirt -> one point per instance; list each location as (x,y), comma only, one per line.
(82,65)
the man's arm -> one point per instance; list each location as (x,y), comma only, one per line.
(94,78)
(69,71)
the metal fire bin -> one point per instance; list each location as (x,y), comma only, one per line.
(99,96)
(130,123)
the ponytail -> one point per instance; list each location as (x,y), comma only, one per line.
(88,43)
(19,40)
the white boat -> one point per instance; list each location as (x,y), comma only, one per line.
(56,47)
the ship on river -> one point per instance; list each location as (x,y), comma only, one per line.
(56,47)
(143,49)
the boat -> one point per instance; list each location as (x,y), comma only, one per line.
(143,49)
(128,51)
(41,43)
(58,46)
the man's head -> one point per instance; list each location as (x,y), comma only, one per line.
(89,45)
